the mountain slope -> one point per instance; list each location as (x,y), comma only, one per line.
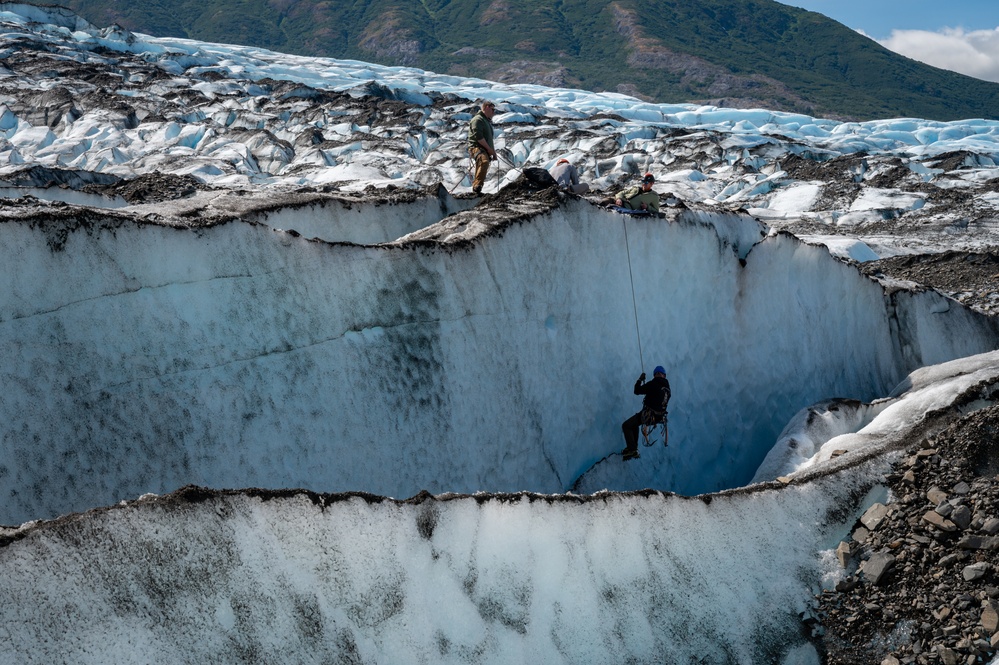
(739,53)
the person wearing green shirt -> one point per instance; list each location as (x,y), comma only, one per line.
(480,144)
(639,197)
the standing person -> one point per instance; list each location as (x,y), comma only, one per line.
(480,143)
(639,197)
(567,177)
(657,394)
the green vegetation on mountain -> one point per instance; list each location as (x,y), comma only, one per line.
(744,53)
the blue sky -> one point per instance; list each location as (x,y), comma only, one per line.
(877,18)
(961,35)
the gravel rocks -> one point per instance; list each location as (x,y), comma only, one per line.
(971,278)
(923,584)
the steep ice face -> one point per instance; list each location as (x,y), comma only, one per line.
(492,351)
(512,330)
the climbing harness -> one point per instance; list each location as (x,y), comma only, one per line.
(654,425)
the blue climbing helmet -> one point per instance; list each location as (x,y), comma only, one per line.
(659,370)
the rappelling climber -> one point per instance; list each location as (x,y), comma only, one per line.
(657,394)
(639,197)
(480,144)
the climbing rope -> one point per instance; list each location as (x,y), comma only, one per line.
(465,174)
(638,332)
(513,167)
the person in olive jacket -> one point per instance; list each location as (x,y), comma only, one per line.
(639,197)
(480,144)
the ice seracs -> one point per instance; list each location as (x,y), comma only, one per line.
(825,430)
(240,117)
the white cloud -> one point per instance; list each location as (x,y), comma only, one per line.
(975,53)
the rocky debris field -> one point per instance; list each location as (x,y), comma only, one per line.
(921,578)
(971,278)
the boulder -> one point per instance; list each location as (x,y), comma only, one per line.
(948,656)
(936,496)
(874,515)
(877,567)
(971,542)
(975,571)
(989,620)
(843,553)
(961,517)
(949,559)
(939,521)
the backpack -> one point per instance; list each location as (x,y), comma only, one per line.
(538,177)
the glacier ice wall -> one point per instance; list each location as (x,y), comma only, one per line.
(248,576)
(497,356)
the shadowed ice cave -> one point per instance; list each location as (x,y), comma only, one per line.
(489,351)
